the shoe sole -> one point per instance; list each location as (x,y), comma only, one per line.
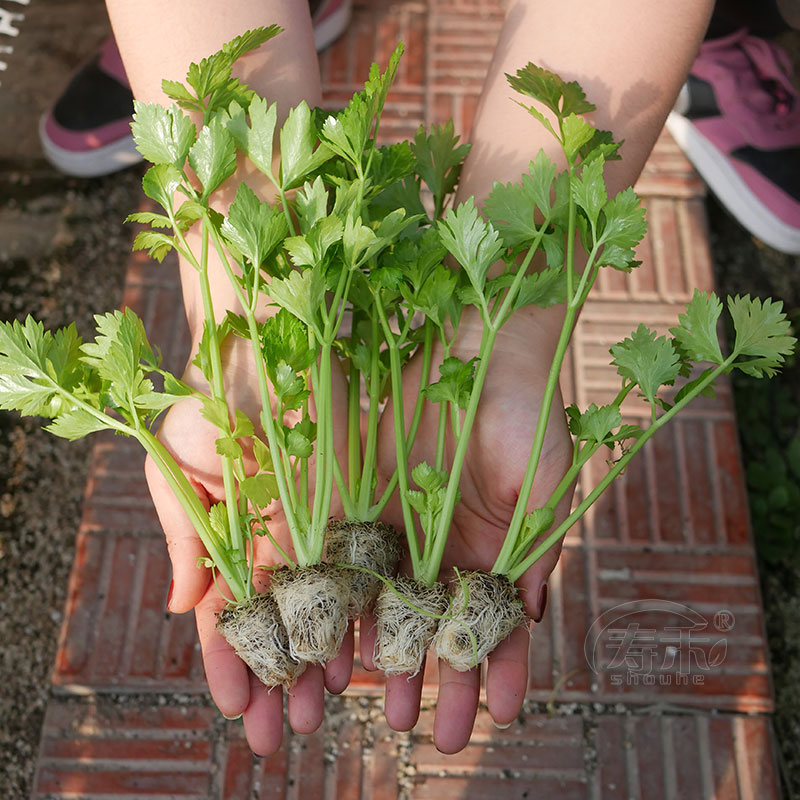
(328,30)
(91,163)
(731,189)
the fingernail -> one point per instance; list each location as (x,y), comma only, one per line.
(238,716)
(500,726)
(169,594)
(542,603)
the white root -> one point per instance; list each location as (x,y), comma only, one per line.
(404,634)
(492,612)
(255,631)
(372,545)
(313,605)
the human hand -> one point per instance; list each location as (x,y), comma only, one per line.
(190,439)
(490,483)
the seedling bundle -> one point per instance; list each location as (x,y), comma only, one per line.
(366,264)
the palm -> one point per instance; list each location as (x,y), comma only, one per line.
(191,441)
(490,483)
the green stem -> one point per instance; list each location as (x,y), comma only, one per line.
(371,445)
(432,565)
(218,392)
(401,453)
(516,571)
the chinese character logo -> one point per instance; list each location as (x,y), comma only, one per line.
(645,642)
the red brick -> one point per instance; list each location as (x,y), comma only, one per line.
(306,756)
(490,788)
(238,783)
(380,767)
(610,761)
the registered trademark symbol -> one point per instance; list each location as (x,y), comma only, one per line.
(724,620)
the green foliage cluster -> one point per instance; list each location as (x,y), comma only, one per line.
(369,232)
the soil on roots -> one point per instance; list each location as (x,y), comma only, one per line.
(372,545)
(255,631)
(403,633)
(484,604)
(313,605)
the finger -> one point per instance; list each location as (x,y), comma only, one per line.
(403,696)
(226,673)
(339,669)
(533,584)
(507,677)
(263,718)
(367,632)
(307,701)
(456,707)
(183,544)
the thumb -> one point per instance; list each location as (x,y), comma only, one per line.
(189,582)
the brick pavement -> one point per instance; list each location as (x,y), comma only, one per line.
(671,540)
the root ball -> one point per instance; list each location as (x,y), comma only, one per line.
(404,634)
(493,611)
(313,605)
(255,631)
(373,545)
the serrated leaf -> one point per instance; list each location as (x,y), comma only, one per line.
(160,183)
(213,155)
(561,97)
(149,218)
(475,244)
(625,224)
(259,489)
(544,289)
(284,338)
(301,293)
(255,139)
(253,227)
(577,133)
(511,207)
(428,478)
(75,424)
(298,137)
(538,522)
(157,244)
(455,384)
(250,40)
(298,444)
(697,331)
(648,360)
(228,447)
(589,189)
(311,203)
(761,334)
(439,158)
(262,455)
(162,135)
(595,424)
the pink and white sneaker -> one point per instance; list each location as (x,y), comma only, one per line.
(738,120)
(87,133)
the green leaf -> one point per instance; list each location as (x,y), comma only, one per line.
(310,250)
(697,331)
(263,456)
(259,489)
(589,189)
(298,137)
(249,40)
(75,424)
(149,218)
(436,294)
(511,207)
(255,139)
(648,360)
(287,382)
(162,135)
(284,338)
(538,522)
(544,289)
(561,97)
(439,159)
(475,244)
(595,424)
(762,332)
(253,227)
(157,244)
(228,447)
(298,444)
(213,156)
(455,383)
(301,293)
(625,224)
(577,133)
(160,184)
(311,203)
(428,478)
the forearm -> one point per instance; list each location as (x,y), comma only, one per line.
(630,56)
(160,40)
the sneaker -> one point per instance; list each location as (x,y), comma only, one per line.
(738,121)
(87,132)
